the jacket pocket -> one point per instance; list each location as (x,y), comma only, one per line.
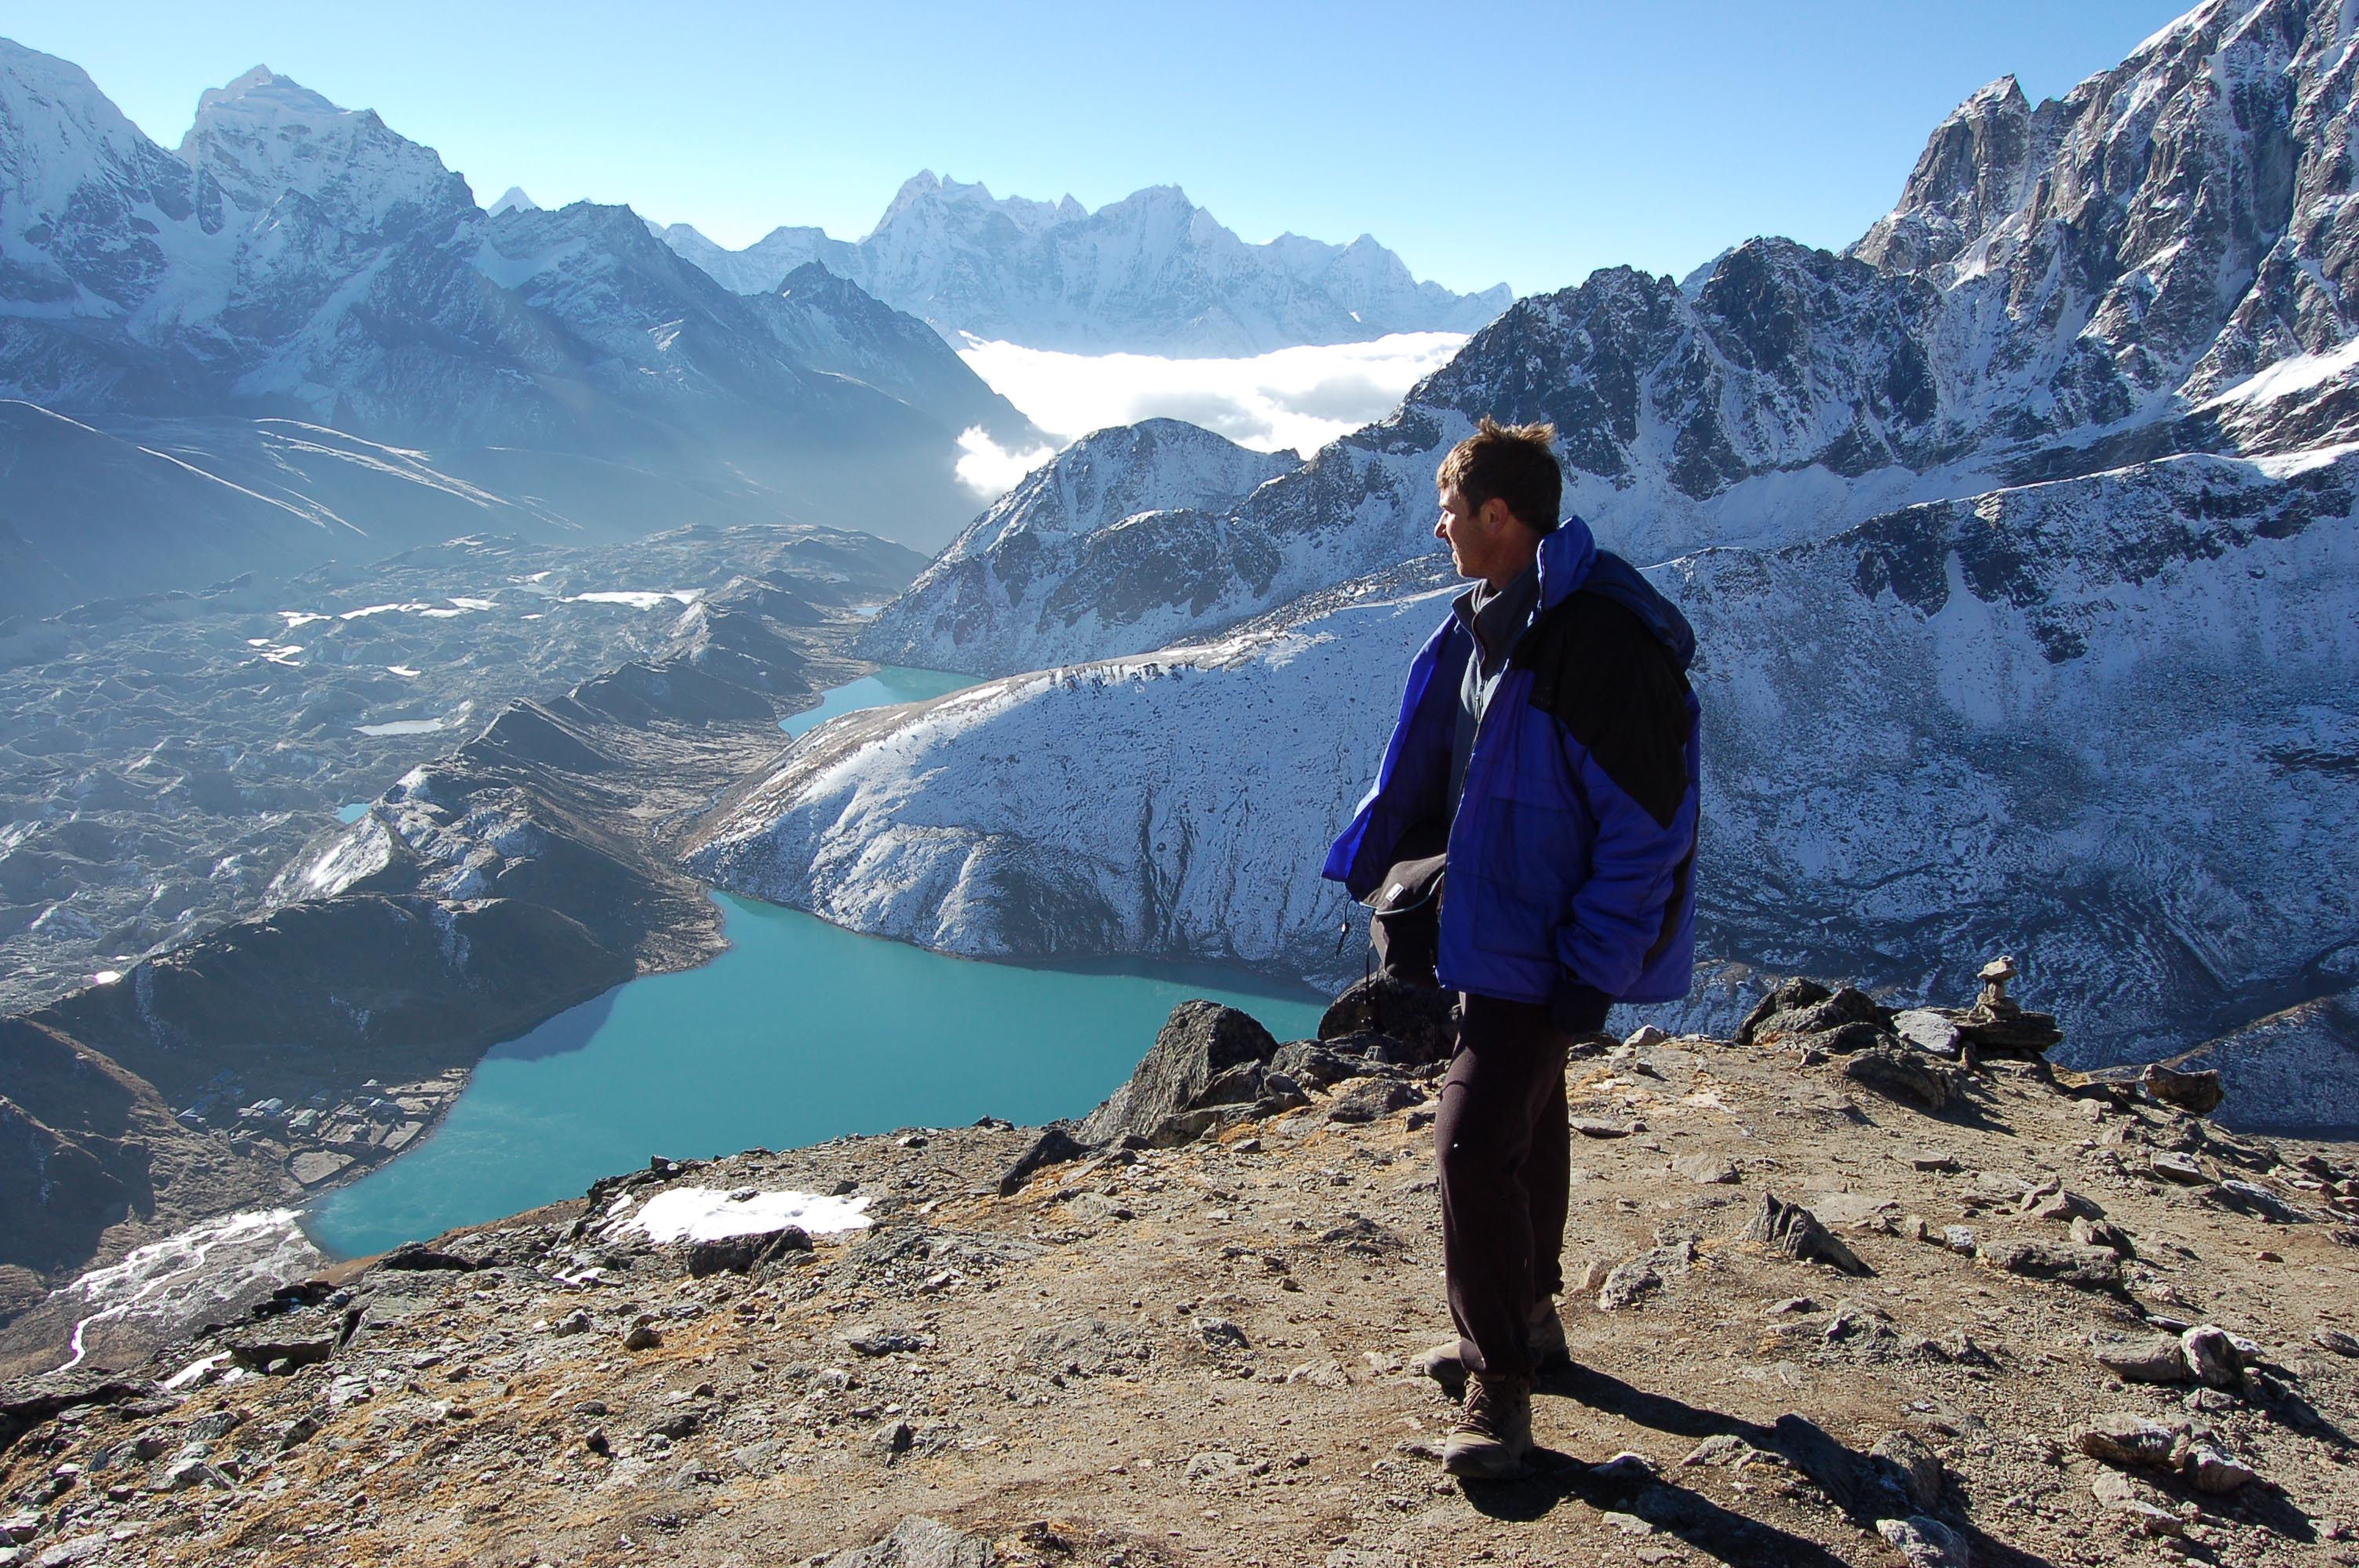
(1530,862)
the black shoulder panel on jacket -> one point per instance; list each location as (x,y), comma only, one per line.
(1597,669)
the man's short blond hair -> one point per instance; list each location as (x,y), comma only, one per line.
(1511,463)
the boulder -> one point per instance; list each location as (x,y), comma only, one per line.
(2124,1439)
(2090,1268)
(2011,1033)
(2104,1233)
(1925,1542)
(2212,1357)
(1200,1041)
(741,1254)
(879,1339)
(1845,1039)
(1419,1017)
(1627,1284)
(1831,1012)
(1316,1063)
(1238,1084)
(2199,1093)
(1927,1029)
(1370,1100)
(1904,1076)
(2216,1474)
(2060,1204)
(1055,1146)
(1911,1459)
(2140,1357)
(1789,996)
(282,1356)
(1795,1231)
(920,1543)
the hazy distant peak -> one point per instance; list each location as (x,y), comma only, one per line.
(1149,273)
(262,88)
(514,199)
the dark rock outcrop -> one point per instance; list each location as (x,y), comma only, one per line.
(1419,1017)
(1794,1230)
(1200,1043)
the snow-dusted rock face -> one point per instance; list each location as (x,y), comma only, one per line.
(2106,725)
(1150,274)
(2026,626)
(2294,1069)
(1102,541)
(295,258)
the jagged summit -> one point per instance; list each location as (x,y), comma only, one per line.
(263,87)
(925,187)
(1151,272)
(513,199)
(1085,539)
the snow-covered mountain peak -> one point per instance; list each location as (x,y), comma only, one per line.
(265,136)
(1151,272)
(1106,532)
(263,91)
(59,82)
(514,199)
(63,142)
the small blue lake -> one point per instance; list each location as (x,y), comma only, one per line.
(801,1032)
(891,684)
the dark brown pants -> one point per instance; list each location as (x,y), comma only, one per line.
(1504,1153)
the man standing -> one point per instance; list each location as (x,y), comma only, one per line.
(1528,843)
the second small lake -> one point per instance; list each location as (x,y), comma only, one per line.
(801,1032)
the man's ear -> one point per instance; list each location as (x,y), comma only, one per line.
(1495,514)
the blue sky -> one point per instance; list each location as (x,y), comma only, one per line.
(1525,142)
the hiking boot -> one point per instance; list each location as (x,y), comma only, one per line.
(1492,1440)
(1549,1352)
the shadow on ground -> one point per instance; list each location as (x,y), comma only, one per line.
(1867,1487)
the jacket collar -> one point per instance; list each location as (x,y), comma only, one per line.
(1566,555)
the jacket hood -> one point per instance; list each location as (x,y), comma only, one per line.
(1567,556)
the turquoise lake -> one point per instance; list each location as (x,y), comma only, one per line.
(891,684)
(800,1031)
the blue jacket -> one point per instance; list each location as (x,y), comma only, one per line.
(1570,851)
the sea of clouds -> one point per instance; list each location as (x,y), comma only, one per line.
(1303,397)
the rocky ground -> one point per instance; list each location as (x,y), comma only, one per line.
(1835,1299)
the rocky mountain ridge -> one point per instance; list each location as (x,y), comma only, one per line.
(1057,553)
(2107,291)
(1152,273)
(295,259)
(1831,1299)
